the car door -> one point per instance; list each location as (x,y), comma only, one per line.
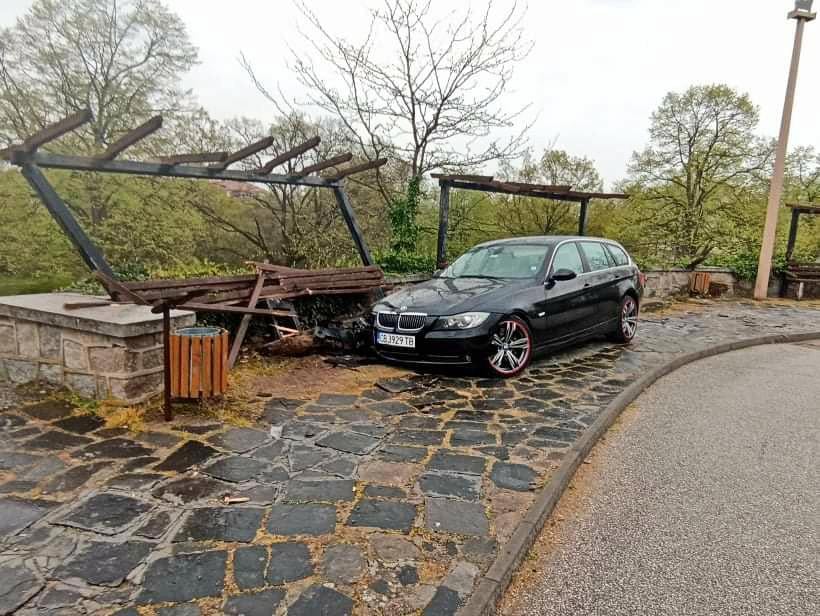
(603,282)
(568,307)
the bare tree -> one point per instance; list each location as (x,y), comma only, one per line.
(428,90)
(120,58)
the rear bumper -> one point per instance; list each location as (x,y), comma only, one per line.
(442,347)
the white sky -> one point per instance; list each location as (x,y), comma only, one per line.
(596,72)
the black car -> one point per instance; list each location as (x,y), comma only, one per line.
(504,301)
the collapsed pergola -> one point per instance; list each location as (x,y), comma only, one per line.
(486,183)
(187,165)
(225,294)
(798,272)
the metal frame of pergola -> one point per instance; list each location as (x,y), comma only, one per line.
(486,183)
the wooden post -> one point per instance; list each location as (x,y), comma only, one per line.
(582,218)
(246,320)
(790,248)
(443,223)
(166,348)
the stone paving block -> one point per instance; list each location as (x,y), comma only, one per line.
(56,440)
(17,461)
(392,549)
(303,457)
(502,453)
(10,422)
(514,477)
(444,460)
(466,487)
(240,440)
(187,609)
(115,449)
(391,408)
(342,563)
(80,424)
(454,516)
(388,473)
(184,577)
(289,561)
(331,490)
(390,515)
(557,434)
(18,584)
(47,466)
(341,467)
(349,442)
(445,603)
(190,454)
(384,492)
(249,566)
(17,486)
(370,429)
(221,524)
(297,430)
(59,597)
(263,603)
(157,525)
(408,575)
(400,453)
(334,400)
(162,440)
(471,438)
(190,489)
(309,519)
(236,469)
(275,452)
(18,513)
(320,600)
(138,464)
(107,513)
(480,550)
(105,563)
(49,410)
(73,478)
(418,437)
(135,481)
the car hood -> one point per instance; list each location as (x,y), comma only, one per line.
(447,296)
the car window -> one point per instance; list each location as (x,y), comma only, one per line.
(596,255)
(499,261)
(568,257)
(618,255)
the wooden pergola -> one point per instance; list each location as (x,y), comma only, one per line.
(797,272)
(486,183)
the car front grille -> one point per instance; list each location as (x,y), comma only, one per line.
(405,322)
(411,321)
(388,320)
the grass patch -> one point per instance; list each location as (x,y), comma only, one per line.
(25,285)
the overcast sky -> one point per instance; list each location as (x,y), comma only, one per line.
(596,72)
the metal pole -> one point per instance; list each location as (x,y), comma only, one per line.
(443,222)
(166,349)
(764,266)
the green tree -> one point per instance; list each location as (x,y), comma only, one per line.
(694,177)
(120,58)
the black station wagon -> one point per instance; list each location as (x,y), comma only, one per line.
(502,302)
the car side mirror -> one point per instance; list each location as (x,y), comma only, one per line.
(562,275)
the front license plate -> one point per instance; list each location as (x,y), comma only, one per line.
(408,342)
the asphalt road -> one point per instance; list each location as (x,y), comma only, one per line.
(705,500)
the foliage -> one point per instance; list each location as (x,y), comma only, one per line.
(403,213)
(406,262)
(120,58)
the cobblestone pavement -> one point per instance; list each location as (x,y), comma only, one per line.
(391,500)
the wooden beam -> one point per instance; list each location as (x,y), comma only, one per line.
(286,156)
(194,157)
(373,164)
(330,162)
(246,320)
(443,223)
(461,176)
(56,130)
(248,150)
(132,137)
(197,307)
(115,287)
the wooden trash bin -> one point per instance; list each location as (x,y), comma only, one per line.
(199,362)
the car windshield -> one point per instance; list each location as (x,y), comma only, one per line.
(499,261)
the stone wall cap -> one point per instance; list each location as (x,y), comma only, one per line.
(119,320)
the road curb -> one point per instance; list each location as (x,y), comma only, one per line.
(491,586)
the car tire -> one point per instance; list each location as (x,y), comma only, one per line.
(511,347)
(627,320)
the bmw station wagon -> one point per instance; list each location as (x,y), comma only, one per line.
(502,302)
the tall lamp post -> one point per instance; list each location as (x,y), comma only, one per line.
(802,13)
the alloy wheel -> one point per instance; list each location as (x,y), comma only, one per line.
(629,317)
(510,347)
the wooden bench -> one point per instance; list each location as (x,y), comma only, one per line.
(799,278)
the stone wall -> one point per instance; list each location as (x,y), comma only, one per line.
(112,352)
(662,284)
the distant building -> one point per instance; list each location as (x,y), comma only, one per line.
(239,190)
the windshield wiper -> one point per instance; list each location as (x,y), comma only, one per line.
(482,276)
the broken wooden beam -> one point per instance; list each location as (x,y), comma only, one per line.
(373,164)
(248,150)
(131,137)
(286,156)
(50,133)
(325,164)
(197,307)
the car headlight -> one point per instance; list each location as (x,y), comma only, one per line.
(465,320)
